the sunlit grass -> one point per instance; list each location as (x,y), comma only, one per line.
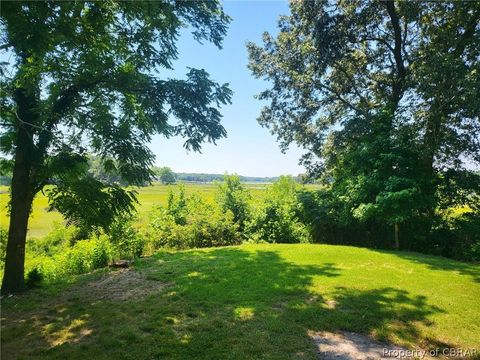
(253,301)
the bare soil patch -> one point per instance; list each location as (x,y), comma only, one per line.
(120,285)
(352,346)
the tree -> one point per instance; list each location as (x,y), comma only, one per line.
(232,195)
(384,98)
(166,175)
(277,219)
(84,78)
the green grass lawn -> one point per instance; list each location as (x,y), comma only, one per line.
(43,221)
(252,302)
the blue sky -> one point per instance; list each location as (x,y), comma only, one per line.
(248,149)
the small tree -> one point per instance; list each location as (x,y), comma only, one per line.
(84,78)
(233,196)
(277,220)
(166,175)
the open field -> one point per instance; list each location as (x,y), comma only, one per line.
(251,301)
(43,221)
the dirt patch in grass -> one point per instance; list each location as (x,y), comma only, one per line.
(120,285)
(352,346)
(68,317)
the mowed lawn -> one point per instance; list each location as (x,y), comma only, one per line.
(43,221)
(250,302)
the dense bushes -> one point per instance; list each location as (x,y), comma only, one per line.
(191,222)
(454,233)
(232,196)
(68,259)
(277,219)
(232,217)
(286,213)
(449,234)
(61,253)
(126,241)
(456,236)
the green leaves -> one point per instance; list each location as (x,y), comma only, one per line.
(85,77)
(233,196)
(166,175)
(383,98)
(89,204)
(193,102)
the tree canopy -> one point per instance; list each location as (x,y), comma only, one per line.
(383,96)
(85,77)
(166,175)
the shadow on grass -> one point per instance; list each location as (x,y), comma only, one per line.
(440,263)
(226,303)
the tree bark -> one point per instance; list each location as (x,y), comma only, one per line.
(21,204)
(22,193)
(397,241)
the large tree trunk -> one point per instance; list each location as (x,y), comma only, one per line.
(21,203)
(22,193)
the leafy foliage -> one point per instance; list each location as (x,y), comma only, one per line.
(177,206)
(105,92)
(166,175)
(85,78)
(189,222)
(232,196)
(68,259)
(104,171)
(34,278)
(276,220)
(125,239)
(382,96)
(89,204)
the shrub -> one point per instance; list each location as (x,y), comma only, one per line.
(232,196)
(84,256)
(47,266)
(465,237)
(3,246)
(101,253)
(59,239)
(125,239)
(34,278)
(177,206)
(317,211)
(191,222)
(213,228)
(277,219)
(87,255)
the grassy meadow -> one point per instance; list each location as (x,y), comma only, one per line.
(248,302)
(43,221)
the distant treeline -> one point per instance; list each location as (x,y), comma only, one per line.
(193,177)
(164,174)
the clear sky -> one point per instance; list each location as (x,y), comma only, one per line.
(248,149)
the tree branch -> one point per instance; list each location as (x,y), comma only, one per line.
(380,40)
(342,99)
(5,46)
(397,33)
(467,34)
(397,53)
